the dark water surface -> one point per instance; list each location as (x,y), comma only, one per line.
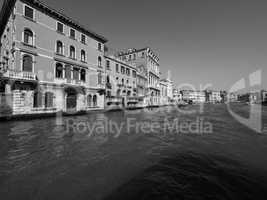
(39,160)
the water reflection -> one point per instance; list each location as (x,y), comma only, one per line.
(39,156)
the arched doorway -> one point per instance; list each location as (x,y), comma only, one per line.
(71,99)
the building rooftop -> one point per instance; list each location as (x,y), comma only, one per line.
(8,6)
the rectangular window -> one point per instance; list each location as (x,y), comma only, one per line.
(72,33)
(76,74)
(134,74)
(108,64)
(99,47)
(60,27)
(28,12)
(83,39)
(117,68)
(128,72)
(68,72)
(122,70)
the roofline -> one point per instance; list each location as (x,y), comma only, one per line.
(8,5)
(139,50)
(122,63)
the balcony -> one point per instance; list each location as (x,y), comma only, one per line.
(70,82)
(132,99)
(20,75)
(154,86)
(114,99)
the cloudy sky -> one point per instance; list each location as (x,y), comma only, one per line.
(199,41)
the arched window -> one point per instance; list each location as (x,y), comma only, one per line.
(72,52)
(99,61)
(49,98)
(60,47)
(122,81)
(27,63)
(83,75)
(108,79)
(95,101)
(59,70)
(28,37)
(83,57)
(89,100)
(37,99)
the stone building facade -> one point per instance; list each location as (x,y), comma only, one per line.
(121,83)
(49,62)
(146,61)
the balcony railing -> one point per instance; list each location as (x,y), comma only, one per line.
(70,82)
(114,99)
(20,75)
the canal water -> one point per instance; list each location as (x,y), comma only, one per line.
(209,155)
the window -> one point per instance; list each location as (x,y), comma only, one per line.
(59,48)
(72,33)
(83,56)
(59,70)
(89,100)
(108,79)
(28,12)
(95,101)
(108,64)
(117,68)
(99,61)
(99,46)
(134,56)
(99,78)
(83,39)
(27,63)
(143,54)
(76,73)
(128,71)
(108,93)
(134,74)
(130,57)
(37,99)
(60,27)
(28,37)
(83,75)
(72,52)
(122,81)
(49,97)
(122,70)
(68,72)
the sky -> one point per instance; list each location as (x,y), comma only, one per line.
(200,42)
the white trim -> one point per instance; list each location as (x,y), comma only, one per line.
(74,33)
(21,61)
(85,39)
(75,53)
(53,29)
(34,15)
(85,56)
(45,56)
(33,36)
(58,22)
(63,49)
